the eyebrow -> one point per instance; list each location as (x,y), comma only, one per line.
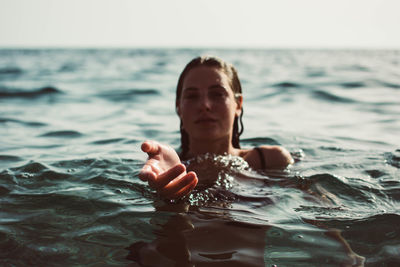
(214,86)
(217,86)
(189,90)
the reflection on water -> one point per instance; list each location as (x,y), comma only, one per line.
(72,121)
(204,239)
(230,220)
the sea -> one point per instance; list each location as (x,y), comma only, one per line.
(72,122)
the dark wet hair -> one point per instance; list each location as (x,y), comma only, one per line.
(234,83)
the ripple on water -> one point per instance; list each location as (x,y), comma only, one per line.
(128,95)
(338,189)
(330,97)
(107,141)
(391,85)
(10,71)
(30,167)
(62,134)
(351,85)
(87,210)
(45,91)
(383,232)
(316,73)
(4,190)
(25,123)
(287,85)
(10,158)
(393,158)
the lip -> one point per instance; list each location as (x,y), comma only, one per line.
(205,120)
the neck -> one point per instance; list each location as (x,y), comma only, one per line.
(219,147)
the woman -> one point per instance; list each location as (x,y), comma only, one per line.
(209,103)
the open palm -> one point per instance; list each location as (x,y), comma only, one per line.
(164,171)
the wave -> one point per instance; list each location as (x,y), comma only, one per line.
(106,181)
(107,141)
(391,85)
(375,173)
(314,74)
(26,123)
(4,190)
(359,68)
(339,189)
(74,163)
(287,85)
(67,193)
(393,158)
(62,134)
(353,84)
(324,95)
(127,95)
(14,71)
(68,67)
(9,158)
(31,167)
(49,90)
(79,172)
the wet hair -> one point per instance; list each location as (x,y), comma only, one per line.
(234,83)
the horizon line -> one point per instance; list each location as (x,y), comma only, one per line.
(199,47)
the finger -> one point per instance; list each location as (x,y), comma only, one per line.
(147,174)
(163,179)
(150,147)
(187,189)
(170,190)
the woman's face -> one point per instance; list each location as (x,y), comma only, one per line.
(207,106)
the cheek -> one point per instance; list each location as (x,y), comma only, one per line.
(185,113)
(229,108)
(184,109)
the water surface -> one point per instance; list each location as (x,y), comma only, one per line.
(71,125)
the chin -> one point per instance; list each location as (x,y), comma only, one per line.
(208,135)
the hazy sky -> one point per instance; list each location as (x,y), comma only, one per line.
(199,23)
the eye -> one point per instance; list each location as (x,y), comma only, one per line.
(190,95)
(217,94)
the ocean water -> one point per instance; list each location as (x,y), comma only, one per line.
(71,125)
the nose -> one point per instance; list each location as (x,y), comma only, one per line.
(205,103)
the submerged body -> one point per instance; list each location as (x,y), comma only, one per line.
(235,217)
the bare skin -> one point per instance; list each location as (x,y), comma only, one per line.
(276,157)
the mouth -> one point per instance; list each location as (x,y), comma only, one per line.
(205,120)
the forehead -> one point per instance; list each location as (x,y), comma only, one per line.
(204,76)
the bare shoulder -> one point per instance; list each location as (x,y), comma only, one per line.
(274,157)
(277,156)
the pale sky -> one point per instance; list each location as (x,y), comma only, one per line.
(201,23)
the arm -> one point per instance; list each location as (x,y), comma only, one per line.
(164,171)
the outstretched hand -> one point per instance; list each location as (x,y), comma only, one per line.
(164,171)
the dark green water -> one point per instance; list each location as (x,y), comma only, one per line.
(71,125)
